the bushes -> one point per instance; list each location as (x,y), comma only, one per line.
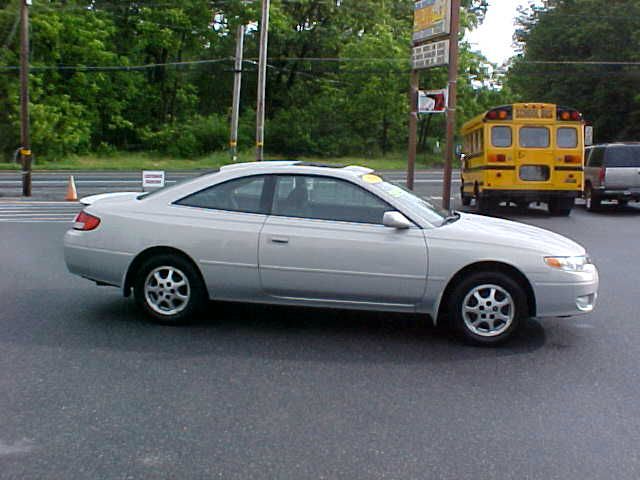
(195,137)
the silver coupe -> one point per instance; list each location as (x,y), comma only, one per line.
(303,234)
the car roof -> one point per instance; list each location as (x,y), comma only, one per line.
(616,144)
(354,170)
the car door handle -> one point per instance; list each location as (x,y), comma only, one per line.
(280,240)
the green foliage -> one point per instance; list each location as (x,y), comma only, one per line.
(353,102)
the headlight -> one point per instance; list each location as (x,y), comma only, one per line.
(568,264)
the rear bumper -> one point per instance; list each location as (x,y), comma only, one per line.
(529,195)
(95,264)
(619,193)
(576,296)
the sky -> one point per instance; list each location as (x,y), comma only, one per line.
(494,38)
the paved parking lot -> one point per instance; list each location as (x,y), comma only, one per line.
(90,390)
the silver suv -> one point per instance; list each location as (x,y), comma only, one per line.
(612,172)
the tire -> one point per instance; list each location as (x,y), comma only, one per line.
(168,288)
(592,201)
(466,199)
(561,207)
(623,203)
(475,296)
(486,204)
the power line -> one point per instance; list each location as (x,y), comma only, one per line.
(102,68)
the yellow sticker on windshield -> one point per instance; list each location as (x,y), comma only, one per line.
(369,178)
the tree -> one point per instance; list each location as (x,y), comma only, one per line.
(567,31)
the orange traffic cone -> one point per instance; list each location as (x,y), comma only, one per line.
(72,194)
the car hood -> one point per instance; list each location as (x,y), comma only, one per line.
(497,232)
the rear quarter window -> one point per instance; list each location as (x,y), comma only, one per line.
(623,156)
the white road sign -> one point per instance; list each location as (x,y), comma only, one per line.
(152,178)
(430,55)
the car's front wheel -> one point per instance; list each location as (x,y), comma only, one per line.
(169,289)
(487,308)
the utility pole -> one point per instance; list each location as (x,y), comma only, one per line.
(237,85)
(25,148)
(413,127)
(451,107)
(262,80)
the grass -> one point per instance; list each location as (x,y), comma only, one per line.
(149,161)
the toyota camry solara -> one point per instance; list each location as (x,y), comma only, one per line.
(301,234)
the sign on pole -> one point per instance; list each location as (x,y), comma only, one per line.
(432,101)
(430,55)
(432,19)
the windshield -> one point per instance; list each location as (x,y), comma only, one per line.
(406,198)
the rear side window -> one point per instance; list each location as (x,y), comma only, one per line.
(534,137)
(567,137)
(623,156)
(240,195)
(501,137)
(596,157)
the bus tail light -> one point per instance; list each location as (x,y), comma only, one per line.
(572,159)
(500,157)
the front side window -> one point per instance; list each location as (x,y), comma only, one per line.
(501,137)
(240,195)
(567,138)
(534,137)
(326,198)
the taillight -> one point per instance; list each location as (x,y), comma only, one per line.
(85,222)
(603,172)
(498,158)
(572,159)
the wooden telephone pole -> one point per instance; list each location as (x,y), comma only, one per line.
(451,108)
(237,85)
(25,148)
(262,80)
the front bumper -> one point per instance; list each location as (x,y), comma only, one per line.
(566,293)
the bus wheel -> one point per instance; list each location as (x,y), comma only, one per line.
(486,204)
(561,207)
(466,199)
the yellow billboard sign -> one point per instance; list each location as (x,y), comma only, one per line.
(431,19)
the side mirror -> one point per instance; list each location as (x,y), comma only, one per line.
(396,220)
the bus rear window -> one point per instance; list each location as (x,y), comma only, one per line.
(567,138)
(501,137)
(534,137)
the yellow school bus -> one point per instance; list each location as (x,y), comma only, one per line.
(523,153)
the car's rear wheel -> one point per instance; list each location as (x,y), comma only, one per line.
(169,289)
(487,308)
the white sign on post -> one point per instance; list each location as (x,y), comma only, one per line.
(431,55)
(433,101)
(152,179)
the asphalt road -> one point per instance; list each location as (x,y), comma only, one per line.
(90,390)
